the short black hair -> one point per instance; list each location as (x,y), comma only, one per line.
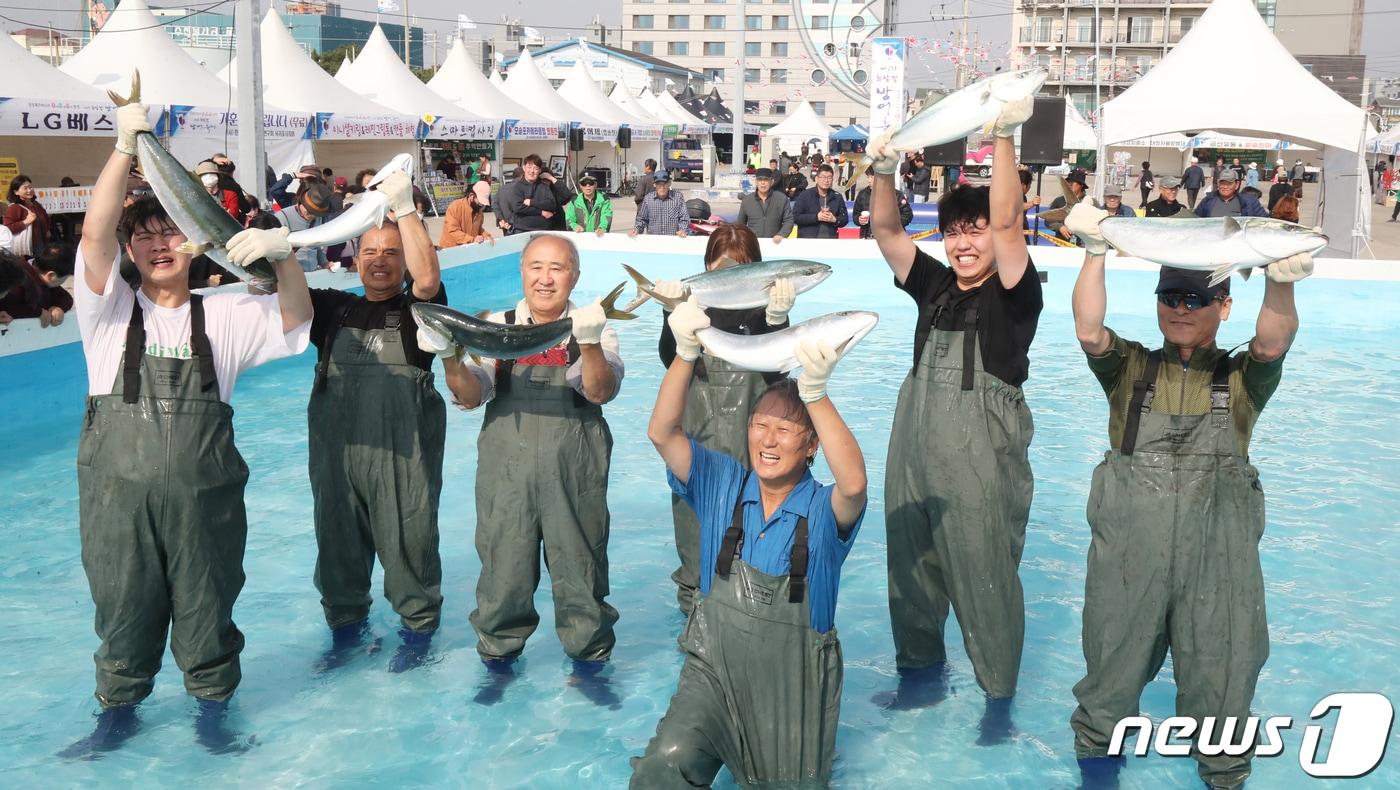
(650,163)
(56,257)
(533,159)
(1026,178)
(788,399)
(15,183)
(11,273)
(963,207)
(143,213)
(266,220)
(826,168)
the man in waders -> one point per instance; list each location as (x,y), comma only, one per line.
(376,430)
(160,483)
(958,482)
(542,479)
(722,395)
(1176,509)
(760,690)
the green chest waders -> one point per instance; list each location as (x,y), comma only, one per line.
(958,490)
(542,480)
(1176,515)
(717,416)
(161,518)
(376,427)
(760,691)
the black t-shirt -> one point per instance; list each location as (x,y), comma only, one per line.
(1006,319)
(364,314)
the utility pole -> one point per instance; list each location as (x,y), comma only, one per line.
(252,155)
(736,156)
(405,34)
(962,46)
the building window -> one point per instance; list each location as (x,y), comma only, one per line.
(644,47)
(713,22)
(714,75)
(680,22)
(678,48)
(750,107)
(1085,33)
(1140,29)
(780,22)
(714,49)
(1266,10)
(821,22)
(753,49)
(750,75)
(779,49)
(818,76)
(779,108)
(555,84)
(643,21)
(855,51)
(777,76)
(753,22)
(678,1)
(819,107)
(1187,22)
(1044,27)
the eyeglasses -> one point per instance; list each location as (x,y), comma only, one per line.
(1172,299)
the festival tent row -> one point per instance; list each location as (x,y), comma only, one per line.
(802,125)
(1263,102)
(582,91)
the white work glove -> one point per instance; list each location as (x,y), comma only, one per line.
(671,289)
(781,297)
(685,322)
(435,342)
(588,324)
(818,360)
(885,160)
(1012,115)
(399,190)
(251,244)
(1290,269)
(1083,221)
(131,119)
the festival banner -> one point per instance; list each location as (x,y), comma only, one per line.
(337,126)
(512,129)
(60,118)
(184,120)
(597,133)
(646,133)
(886,85)
(63,200)
(432,127)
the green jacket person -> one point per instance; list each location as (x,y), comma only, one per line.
(958,481)
(376,429)
(542,480)
(760,690)
(1176,509)
(589,211)
(160,482)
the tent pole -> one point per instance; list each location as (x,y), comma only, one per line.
(252,151)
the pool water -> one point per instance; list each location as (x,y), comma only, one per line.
(1328,447)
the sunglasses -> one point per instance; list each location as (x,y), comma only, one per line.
(1171,300)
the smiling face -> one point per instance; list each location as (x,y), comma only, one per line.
(152,249)
(969,249)
(779,445)
(548,275)
(1192,328)
(1227,189)
(824,180)
(1112,202)
(1169,194)
(380,262)
(531,171)
(663,188)
(25,191)
(589,189)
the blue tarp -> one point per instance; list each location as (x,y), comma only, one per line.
(853,132)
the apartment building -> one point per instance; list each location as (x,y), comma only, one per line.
(1130,37)
(816,50)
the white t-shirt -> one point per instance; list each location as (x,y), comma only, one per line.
(244,330)
(486,371)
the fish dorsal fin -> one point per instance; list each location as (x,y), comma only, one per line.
(1231,227)
(725,263)
(986,96)
(481,315)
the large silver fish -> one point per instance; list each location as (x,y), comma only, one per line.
(482,338)
(735,286)
(207,227)
(368,211)
(1219,245)
(775,352)
(962,112)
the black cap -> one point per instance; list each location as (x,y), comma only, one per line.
(315,198)
(1077,177)
(587,179)
(763,172)
(1191,282)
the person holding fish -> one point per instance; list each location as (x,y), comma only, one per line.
(376,427)
(546,449)
(760,689)
(160,482)
(958,481)
(1176,508)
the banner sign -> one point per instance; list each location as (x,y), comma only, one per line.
(595,133)
(437,128)
(63,200)
(512,129)
(332,126)
(59,118)
(646,134)
(886,85)
(205,122)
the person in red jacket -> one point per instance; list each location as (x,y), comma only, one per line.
(25,212)
(210,177)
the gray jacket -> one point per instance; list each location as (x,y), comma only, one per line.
(766,218)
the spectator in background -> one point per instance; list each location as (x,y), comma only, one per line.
(1228,201)
(1285,209)
(794,183)
(1193,179)
(26,219)
(1238,168)
(1113,202)
(821,210)
(1028,203)
(1166,204)
(663,212)
(212,179)
(1251,176)
(1298,173)
(1277,191)
(12,278)
(1145,184)
(530,198)
(644,183)
(1280,172)
(765,212)
(34,293)
(862,208)
(482,188)
(1077,185)
(563,196)
(588,211)
(448,166)
(363,178)
(462,224)
(920,175)
(313,206)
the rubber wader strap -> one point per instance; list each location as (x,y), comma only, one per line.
(1143,390)
(1220,393)
(504,367)
(131,357)
(927,322)
(969,347)
(393,320)
(323,364)
(797,572)
(199,344)
(733,541)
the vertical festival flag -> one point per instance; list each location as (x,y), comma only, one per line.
(886,85)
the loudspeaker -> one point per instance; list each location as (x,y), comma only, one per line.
(952,154)
(576,139)
(624,137)
(1043,136)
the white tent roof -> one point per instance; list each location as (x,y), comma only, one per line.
(28,77)
(1272,96)
(1385,143)
(802,122)
(496,79)
(649,103)
(527,85)
(462,82)
(347,64)
(580,90)
(682,114)
(624,99)
(1079,134)
(134,39)
(379,75)
(291,79)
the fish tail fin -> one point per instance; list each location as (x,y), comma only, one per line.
(194,249)
(865,161)
(1245,273)
(135,91)
(609,303)
(644,286)
(1222,273)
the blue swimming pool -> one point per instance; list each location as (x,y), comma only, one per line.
(1328,448)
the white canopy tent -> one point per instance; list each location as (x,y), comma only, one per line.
(681,114)
(1387,143)
(460,81)
(527,85)
(581,90)
(496,79)
(1079,134)
(801,126)
(1275,96)
(623,98)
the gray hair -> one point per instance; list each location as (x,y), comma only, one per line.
(568,243)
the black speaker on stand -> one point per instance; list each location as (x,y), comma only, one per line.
(1043,136)
(576,139)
